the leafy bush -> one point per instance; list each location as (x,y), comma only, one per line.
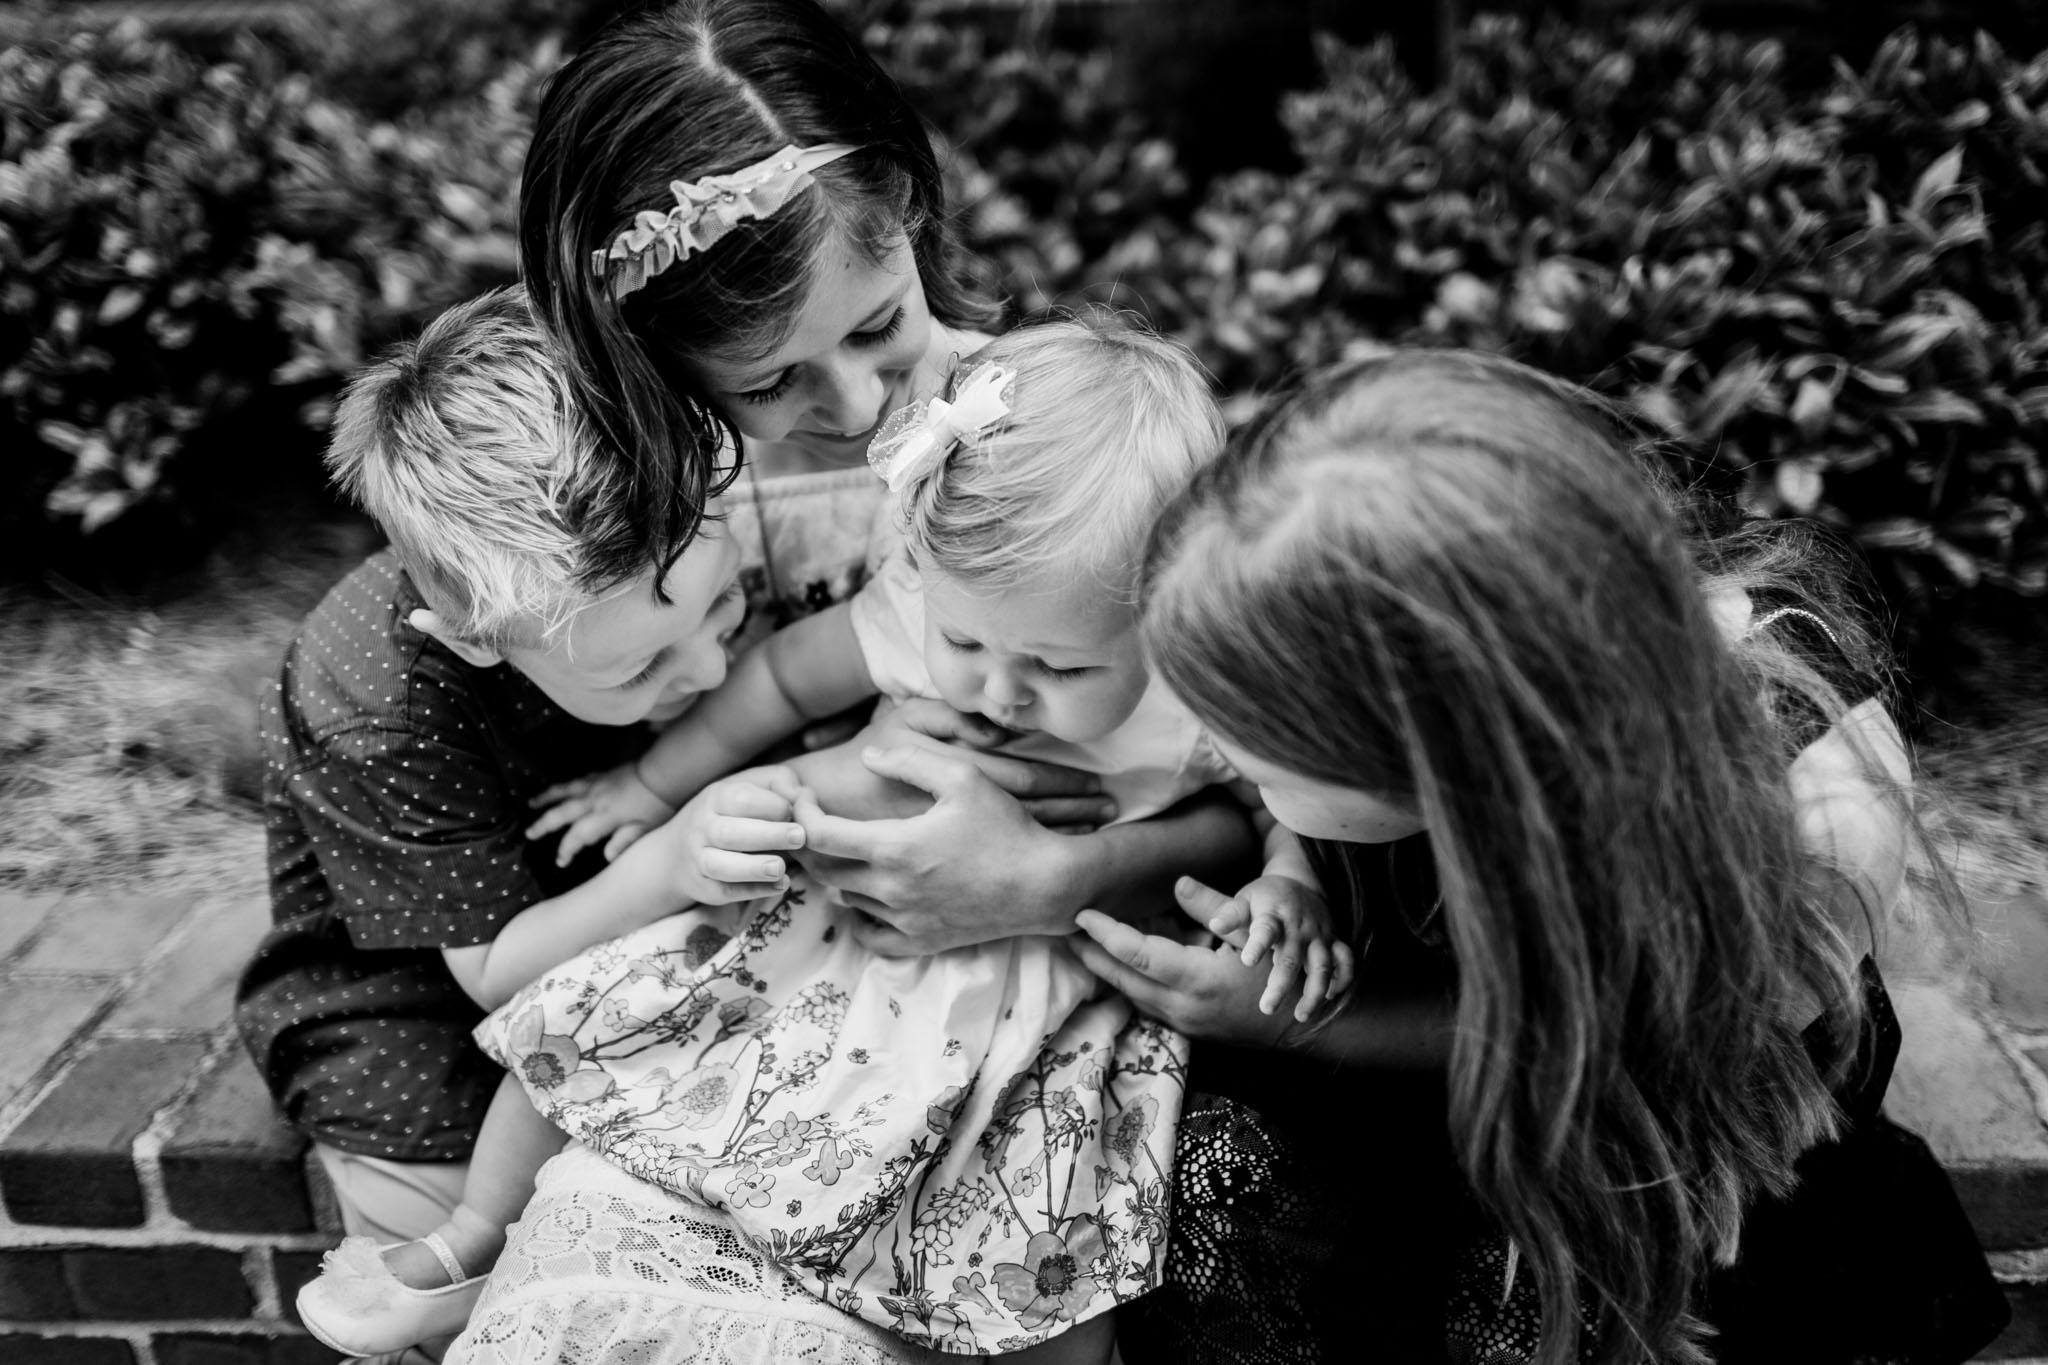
(1831,297)
(389,60)
(1051,167)
(381,225)
(132,181)
(189,250)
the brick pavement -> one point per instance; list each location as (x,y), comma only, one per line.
(154,1212)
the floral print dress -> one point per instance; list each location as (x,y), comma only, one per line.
(971,1150)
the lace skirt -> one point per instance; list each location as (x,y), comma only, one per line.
(606,1267)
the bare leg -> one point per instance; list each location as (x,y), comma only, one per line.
(514,1143)
(1090,1343)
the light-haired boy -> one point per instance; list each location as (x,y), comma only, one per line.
(488,654)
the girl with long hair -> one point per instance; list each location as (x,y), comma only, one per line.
(1621,843)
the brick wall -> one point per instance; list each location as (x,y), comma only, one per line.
(153,1211)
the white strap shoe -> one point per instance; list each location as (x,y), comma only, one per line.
(358,1307)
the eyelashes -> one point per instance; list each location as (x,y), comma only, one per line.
(647,674)
(878,336)
(886,332)
(772,392)
(1057,674)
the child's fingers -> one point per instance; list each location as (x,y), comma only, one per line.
(585,833)
(1234,938)
(1286,911)
(724,865)
(1342,964)
(1259,937)
(1232,920)
(725,893)
(623,838)
(752,802)
(1315,986)
(558,817)
(1201,902)
(782,781)
(753,836)
(561,791)
(1282,979)
(1231,926)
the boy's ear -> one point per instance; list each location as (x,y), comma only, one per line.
(427,621)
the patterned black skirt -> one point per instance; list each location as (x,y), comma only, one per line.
(1319,1217)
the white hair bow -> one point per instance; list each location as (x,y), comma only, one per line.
(918,438)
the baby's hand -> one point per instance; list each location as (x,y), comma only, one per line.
(1290,918)
(615,803)
(715,844)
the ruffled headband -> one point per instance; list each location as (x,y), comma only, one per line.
(706,209)
(917,438)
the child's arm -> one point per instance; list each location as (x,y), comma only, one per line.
(718,848)
(802,673)
(1283,910)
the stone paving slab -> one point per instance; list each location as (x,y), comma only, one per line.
(192,987)
(106,934)
(21,916)
(70,1161)
(229,1163)
(39,1018)
(2014,960)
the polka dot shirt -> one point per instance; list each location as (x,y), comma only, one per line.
(395,790)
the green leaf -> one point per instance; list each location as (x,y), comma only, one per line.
(1963,566)
(1813,408)
(1730,394)
(1799,484)
(1938,405)
(1895,533)
(2033,403)
(1904,340)
(1938,179)
(1879,381)
(1994,518)
(119,304)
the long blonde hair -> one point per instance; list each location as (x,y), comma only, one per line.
(1440,576)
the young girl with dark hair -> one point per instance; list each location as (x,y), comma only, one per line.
(786,344)
(732,230)
(724,319)
(1620,845)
